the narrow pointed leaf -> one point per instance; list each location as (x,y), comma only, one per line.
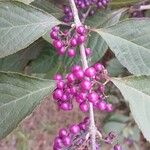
(129,40)
(21,25)
(19,95)
(136,90)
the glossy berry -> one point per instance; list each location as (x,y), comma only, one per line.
(84,107)
(57,77)
(63,132)
(99,67)
(90,72)
(57,94)
(102,105)
(71,52)
(109,107)
(58,143)
(65,106)
(61,51)
(81,30)
(74,129)
(58,44)
(73,42)
(93,97)
(79,74)
(54,35)
(81,39)
(76,68)
(71,78)
(85,85)
(60,84)
(66,141)
(117,147)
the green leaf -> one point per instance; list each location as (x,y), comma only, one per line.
(21,25)
(122,3)
(129,40)
(114,67)
(102,19)
(17,62)
(136,90)
(49,6)
(49,63)
(19,95)
(25,1)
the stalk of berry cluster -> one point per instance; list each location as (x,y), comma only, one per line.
(85,65)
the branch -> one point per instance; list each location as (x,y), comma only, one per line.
(85,65)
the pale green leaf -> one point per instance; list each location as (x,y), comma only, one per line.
(19,95)
(129,40)
(21,25)
(101,19)
(25,1)
(136,90)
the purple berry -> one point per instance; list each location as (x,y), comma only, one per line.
(58,77)
(76,68)
(73,42)
(71,78)
(56,28)
(99,67)
(81,39)
(93,97)
(71,52)
(66,141)
(88,51)
(58,44)
(54,35)
(102,105)
(79,74)
(65,106)
(84,107)
(58,143)
(90,72)
(57,94)
(74,129)
(63,132)
(109,107)
(60,84)
(85,85)
(61,51)
(117,147)
(82,126)
(81,30)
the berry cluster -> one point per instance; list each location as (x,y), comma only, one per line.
(77,137)
(83,6)
(67,41)
(83,86)
(72,136)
